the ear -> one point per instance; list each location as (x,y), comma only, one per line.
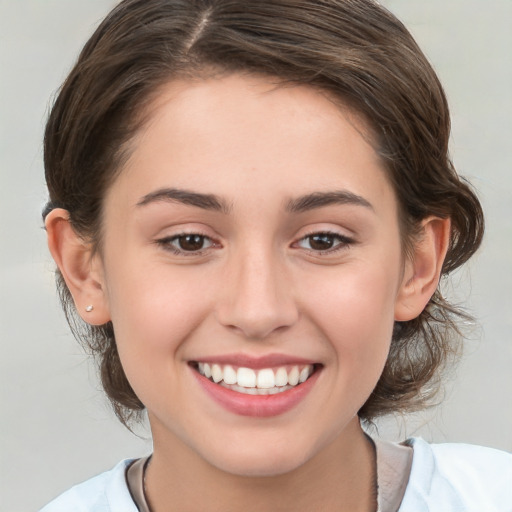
(423,269)
(82,271)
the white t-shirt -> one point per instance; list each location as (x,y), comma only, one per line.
(444,478)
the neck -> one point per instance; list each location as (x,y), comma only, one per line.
(341,477)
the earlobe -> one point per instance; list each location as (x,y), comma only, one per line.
(81,270)
(423,269)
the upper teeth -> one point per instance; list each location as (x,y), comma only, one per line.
(265,378)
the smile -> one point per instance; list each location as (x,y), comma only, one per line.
(263,386)
(263,381)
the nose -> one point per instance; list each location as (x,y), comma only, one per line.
(257,299)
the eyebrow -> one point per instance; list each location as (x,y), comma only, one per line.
(214,203)
(321,199)
(175,195)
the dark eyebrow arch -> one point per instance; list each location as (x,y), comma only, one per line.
(321,199)
(176,195)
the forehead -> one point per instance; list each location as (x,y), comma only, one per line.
(238,134)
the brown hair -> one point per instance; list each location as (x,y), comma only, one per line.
(355,50)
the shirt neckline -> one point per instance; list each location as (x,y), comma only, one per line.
(394,463)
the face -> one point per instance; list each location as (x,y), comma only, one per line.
(252,239)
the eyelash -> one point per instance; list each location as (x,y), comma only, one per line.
(167,243)
(344,242)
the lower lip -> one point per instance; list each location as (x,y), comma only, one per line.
(261,406)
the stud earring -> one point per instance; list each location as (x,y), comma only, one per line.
(89,308)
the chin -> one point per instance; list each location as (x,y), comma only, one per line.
(258,462)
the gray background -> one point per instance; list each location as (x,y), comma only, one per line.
(56,426)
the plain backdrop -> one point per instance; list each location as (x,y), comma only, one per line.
(56,426)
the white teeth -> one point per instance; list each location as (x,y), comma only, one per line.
(281,377)
(304,374)
(245,377)
(229,375)
(255,391)
(266,379)
(217,373)
(293,376)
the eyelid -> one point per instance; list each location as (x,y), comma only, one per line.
(345,241)
(165,242)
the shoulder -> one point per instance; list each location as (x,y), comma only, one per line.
(107,492)
(458,478)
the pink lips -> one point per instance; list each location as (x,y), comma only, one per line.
(266,361)
(262,406)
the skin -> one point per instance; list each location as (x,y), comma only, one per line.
(258,286)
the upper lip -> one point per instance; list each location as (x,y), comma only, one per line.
(255,362)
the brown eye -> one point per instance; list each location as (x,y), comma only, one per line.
(190,242)
(321,242)
(186,243)
(324,242)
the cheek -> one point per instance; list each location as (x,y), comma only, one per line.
(354,306)
(155,310)
(154,313)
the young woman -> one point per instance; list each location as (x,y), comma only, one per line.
(251,208)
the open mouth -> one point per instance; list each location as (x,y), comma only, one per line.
(262,381)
